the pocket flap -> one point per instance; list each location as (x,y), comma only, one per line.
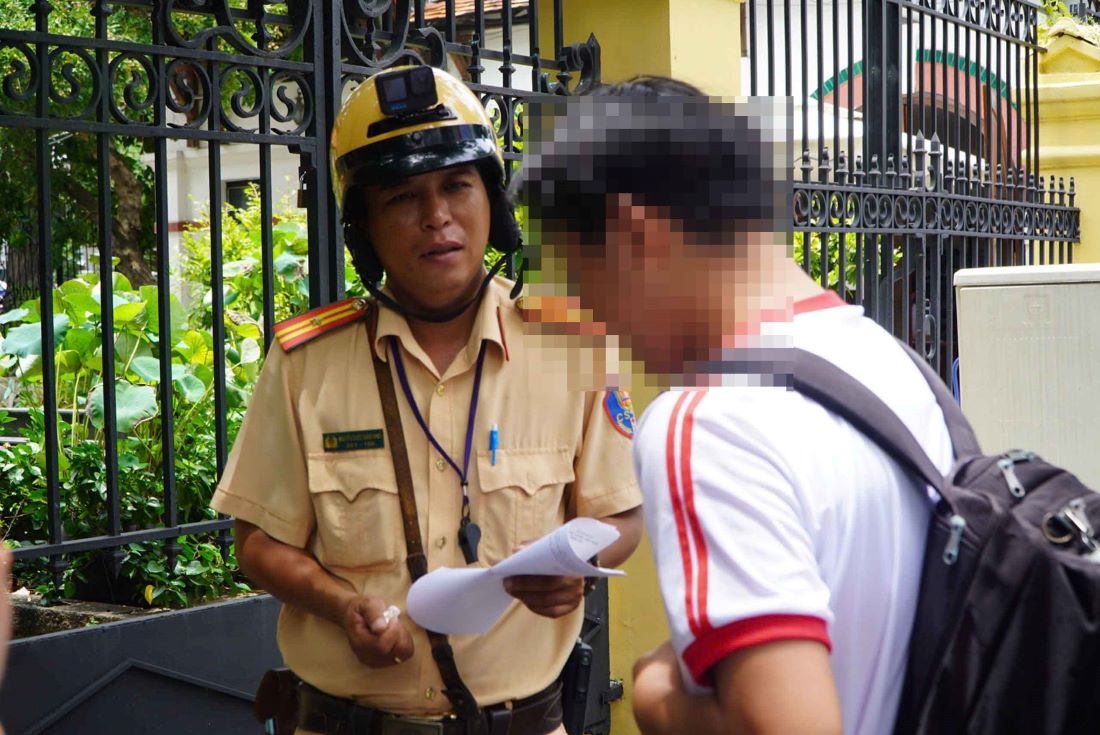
(352,472)
(529,469)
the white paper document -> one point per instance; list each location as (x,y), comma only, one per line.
(469,601)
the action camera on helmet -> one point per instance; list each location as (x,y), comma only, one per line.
(407,91)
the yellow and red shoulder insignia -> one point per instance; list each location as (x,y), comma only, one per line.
(559,315)
(297,331)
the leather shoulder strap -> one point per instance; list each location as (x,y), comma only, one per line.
(415,559)
(455,689)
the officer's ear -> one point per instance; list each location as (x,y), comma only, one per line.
(363,259)
(504,233)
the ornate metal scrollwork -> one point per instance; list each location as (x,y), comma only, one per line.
(67,96)
(190,97)
(269,39)
(296,111)
(583,58)
(21,80)
(247,101)
(143,75)
(358,19)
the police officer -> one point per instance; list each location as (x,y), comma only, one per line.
(500,451)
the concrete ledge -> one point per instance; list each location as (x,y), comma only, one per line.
(33,619)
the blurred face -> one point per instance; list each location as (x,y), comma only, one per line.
(672,299)
(429,233)
(643,284)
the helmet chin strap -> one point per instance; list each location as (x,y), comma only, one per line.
(453,313)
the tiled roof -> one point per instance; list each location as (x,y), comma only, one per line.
(438,10)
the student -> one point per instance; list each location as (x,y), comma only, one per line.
(788,546)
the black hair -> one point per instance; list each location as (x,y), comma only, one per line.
(649,85)
(712,165)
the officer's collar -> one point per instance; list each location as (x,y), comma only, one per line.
(488,325)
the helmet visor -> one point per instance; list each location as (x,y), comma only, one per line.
(416,153)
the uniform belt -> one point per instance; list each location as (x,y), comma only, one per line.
(323,713)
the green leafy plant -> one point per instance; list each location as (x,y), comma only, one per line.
(202,571)
(833,258)
(80,391)
(242,269)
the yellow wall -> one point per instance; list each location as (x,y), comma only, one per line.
(705,42)
(637,615)
(1069,116)
(697,41)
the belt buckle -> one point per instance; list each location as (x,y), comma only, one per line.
(393,725)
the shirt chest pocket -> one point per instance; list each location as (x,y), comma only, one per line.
(358,513)
(521,496)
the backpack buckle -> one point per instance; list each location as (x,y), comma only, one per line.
(1070,522)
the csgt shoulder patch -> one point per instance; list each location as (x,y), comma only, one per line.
(620,411)
(299,330)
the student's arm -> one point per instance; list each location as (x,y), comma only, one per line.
(781,688)
(748,610)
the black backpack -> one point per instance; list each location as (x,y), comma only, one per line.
(1006,637)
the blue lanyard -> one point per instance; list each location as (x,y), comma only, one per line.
(463,473)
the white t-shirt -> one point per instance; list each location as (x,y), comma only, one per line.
(773,519)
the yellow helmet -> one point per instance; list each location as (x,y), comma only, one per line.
(407,121)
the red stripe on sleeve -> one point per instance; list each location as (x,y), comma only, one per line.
(678,514)
(718,643)
(698,540)
(826,300)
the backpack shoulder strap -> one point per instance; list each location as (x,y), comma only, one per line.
(963,440)
(835,390)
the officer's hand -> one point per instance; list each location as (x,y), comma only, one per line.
(377,644)
(551,597)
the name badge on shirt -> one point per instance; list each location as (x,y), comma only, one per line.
(347,441)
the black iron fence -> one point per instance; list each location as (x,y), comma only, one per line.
(917,122)
(146,75)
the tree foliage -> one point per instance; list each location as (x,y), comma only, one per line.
(74,188)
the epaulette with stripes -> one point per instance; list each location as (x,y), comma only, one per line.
(299,330)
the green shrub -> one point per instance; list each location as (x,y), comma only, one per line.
(833,258)
(79,387)
(201,571)
(242,270)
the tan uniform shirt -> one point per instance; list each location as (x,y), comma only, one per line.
(561,455)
